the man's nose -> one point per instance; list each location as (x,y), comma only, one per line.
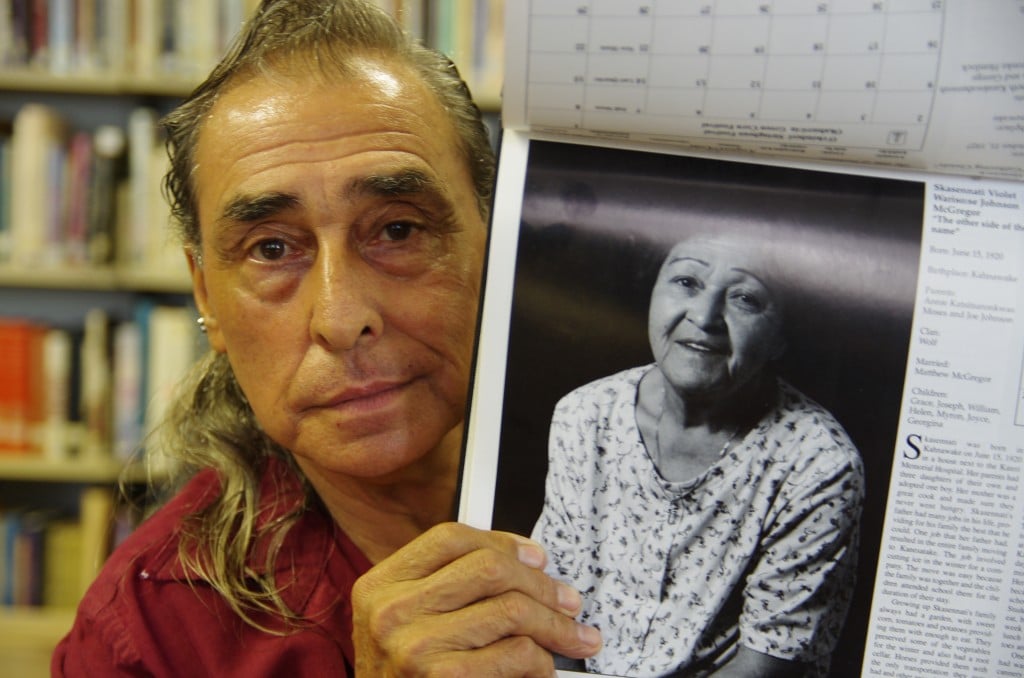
(345,310)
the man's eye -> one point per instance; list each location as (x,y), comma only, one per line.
(271,250)
(397,231)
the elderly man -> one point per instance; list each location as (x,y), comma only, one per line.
(331,181)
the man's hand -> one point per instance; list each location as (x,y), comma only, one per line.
(464,602)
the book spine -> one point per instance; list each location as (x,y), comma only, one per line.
(463,20)
(8,56)
(8,534)
(60,35)
(171,36)
(95,386)
(57,349)
(35,147)
(148,25)
(18,52)
(412,14)
(171,350)
(141,141)
(117,39)
(55,206)
(230,20)
(96,515)
(39,33)
(196,37)
(87,36)
(439,26)
(161,253)
(128,405)
(27,560)
(21,387)
(109,144)
(79,183)
(62,556)
(5,196)
(488,48)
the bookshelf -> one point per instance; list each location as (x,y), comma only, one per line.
(94,84)
(106,85)
(27,638)
(89,488)
(99,470)
(111,279)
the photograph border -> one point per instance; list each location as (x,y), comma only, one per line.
(869,286)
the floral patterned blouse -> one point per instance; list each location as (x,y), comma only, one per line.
(759,550)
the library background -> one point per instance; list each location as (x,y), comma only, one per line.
(96,316)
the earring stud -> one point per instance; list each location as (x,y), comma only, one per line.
(201,321)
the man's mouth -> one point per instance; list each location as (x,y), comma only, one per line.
(364,396)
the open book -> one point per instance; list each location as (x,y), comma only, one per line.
(874,151)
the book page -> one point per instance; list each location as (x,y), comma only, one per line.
(950,594)
(936,85)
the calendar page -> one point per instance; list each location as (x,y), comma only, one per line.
(922,84)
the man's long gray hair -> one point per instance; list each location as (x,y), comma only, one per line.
(210,424)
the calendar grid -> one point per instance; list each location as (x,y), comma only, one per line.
(788,70)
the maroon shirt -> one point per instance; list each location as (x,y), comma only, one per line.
(142,617)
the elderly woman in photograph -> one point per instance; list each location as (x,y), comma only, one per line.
(707,510)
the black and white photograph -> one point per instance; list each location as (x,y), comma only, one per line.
(704,373)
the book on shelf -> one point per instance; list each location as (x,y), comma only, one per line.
(22,398)
(147,39)
(48,558)
(96,519)
(181,40)
(95,390)
(57,366)
(127,404)
(6,130)
(38,152)
(62,563)
(148,219)
(22,535)
(867,158)
(471,33)
(82,199)
(172,345)
(34,400)
(107,173)
(92,393)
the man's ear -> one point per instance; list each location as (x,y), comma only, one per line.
(207,318)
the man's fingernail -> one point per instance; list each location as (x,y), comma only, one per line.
(530,554)
(569,599)
(588,635)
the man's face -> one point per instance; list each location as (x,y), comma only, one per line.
(342,253)
(714,321)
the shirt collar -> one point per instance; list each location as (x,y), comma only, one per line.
(305,550)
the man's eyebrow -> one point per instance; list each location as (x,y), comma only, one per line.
(249,208)
(399,183)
